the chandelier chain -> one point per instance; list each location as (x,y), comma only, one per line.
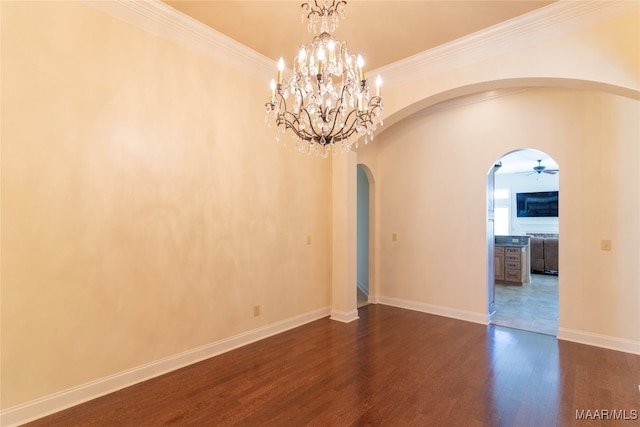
(318,12)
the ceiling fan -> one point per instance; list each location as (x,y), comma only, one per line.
(540,168)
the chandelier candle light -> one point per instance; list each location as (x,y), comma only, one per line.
(326,101)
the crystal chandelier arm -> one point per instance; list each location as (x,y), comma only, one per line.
(345,132)
(373,108)
(308,135)
(281,117)
(294,125)
(292,121)
(349,130)
(335,111)
(363,118)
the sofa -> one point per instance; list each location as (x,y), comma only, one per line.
(544,254)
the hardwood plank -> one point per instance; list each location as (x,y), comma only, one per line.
(390,367)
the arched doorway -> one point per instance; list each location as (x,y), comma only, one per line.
(364,232)
(522,194)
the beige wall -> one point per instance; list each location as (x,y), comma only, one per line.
(145,204)
(430,172)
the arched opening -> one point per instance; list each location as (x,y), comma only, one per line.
(364,235)
(522,236)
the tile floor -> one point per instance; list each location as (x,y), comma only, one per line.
(533,307)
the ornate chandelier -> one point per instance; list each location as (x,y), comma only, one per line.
(326,101)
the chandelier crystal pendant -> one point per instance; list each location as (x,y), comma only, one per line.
(326,101)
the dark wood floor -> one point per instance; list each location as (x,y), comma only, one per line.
(392,367)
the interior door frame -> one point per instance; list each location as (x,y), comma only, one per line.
(491,293)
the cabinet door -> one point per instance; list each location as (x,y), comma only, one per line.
(512,276)
(498,266)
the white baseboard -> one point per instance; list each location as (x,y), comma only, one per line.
(468,316)
(65,399)
(588,338)
(605,341)
(344,316)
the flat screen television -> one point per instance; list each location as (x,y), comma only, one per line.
(538,204)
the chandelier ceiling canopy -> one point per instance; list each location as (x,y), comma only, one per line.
(325,102)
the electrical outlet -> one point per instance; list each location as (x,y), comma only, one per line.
(605,245)
(256,310)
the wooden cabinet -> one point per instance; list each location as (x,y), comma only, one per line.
(511,265)
(498,263)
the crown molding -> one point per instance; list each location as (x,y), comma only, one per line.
(551,21)
(548,22)
(157,18)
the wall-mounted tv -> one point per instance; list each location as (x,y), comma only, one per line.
(538,204)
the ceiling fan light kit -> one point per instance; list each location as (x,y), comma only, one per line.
(539,168)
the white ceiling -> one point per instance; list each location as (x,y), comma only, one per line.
(525,160)
(382,31)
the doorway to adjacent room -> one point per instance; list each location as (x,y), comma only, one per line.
(522,238)
(363,235)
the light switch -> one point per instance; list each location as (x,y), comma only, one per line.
(605,245)
(308,240)
(394,237)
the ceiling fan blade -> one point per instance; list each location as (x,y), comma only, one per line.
(551,171)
